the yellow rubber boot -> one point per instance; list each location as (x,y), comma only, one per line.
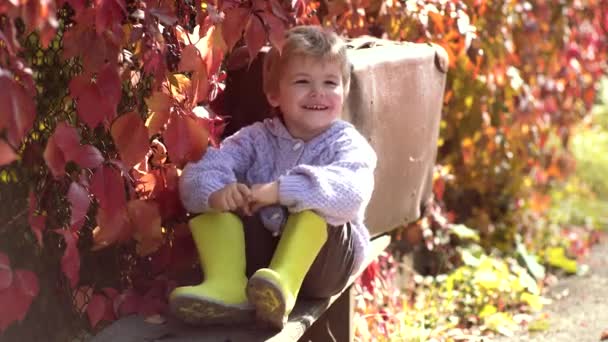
(221,297)
(273,291)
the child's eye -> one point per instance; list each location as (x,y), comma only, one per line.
(331,83)
(301,81)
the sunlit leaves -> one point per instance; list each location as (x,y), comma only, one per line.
(131,138)
(145,218)
(186,139)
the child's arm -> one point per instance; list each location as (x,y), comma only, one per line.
(336,191)
(217,169)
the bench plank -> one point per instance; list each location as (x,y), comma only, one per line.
(135,329)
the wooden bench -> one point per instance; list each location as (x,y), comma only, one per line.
(332,315)
(395,101)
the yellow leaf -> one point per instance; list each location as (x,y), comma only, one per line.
(501,322)
(556,257)
(541,324)
(534,301)
(487,310)
(179,86)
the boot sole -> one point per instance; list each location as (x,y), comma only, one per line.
(269,302)
(207,311)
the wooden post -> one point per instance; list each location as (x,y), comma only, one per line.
(336,324)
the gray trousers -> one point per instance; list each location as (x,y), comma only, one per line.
(329,272)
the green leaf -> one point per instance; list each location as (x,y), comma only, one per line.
(529,261)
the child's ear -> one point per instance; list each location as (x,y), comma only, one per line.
(273,99)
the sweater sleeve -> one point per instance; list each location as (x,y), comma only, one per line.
(338,191)
(216,169)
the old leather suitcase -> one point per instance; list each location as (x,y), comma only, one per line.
(395,101)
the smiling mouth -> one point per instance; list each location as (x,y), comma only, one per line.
(315,107)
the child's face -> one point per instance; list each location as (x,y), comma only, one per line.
(310,96)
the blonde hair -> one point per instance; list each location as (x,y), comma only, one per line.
(306,41)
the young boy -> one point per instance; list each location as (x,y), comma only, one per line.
(282,200)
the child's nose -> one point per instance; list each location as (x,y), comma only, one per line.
(316,91)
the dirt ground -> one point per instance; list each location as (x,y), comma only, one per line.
(579,311)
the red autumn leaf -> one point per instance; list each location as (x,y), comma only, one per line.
(97,101)
(191,59)
(255,36)
(27,283)
(16,299)
(108,188)
(166,193)
(276,30)
(159,102)
(186,140)
(369,275)
(88,157)
(278,10)
(200,85)
(111,228)
(68,140)
(145,220)
(109,85)
(7,155)
(77,5)
(110,292)
(70,262)
(82,40)
(131,138)
(146,185)
(17,110)
(96,309)
(213,48)
(234,25)
(439,188)
(127,303)
(6,274)
(108,12)
(37,222)
(165,12)
(64,145)
(54,157)
(79,201)
(89,104)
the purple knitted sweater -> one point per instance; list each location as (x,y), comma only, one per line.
(332,174)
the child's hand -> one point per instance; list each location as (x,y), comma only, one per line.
(263,195)
(232,197)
